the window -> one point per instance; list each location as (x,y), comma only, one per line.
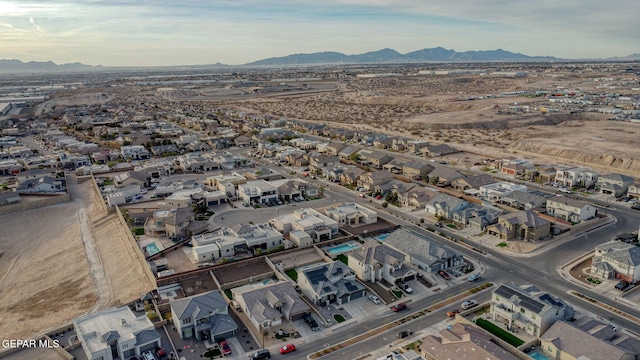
(533,316)
(187,321)
(522,310)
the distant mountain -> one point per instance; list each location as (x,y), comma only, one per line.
(632,57)
(437,54)
(38,66)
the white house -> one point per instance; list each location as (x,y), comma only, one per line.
(257,192)
(351,214)
(569,209)
(318,226)
(116,333)
(497,191)
(576,176)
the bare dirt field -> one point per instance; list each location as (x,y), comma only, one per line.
(63,261)
(437,109)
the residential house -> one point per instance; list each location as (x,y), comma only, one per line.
(348,152)
(318,163)
(10,167)
(463,341)
(132,177)
(226,242)
(133,152)
(528,308)
(376,159)
(204,317)
(444,206)
(522,225)
(477,216)
(515,170)
(334,148)
(399,144)
(614,184)
(634,191)
(42,185)
(472,182)
(587,338)
(116,333)
(443,175)
(172,223)
(165,150)
(257,192)
(351,214)
(414,146)
(416,169)
(395,166)
(417,196)
(525,200)
(350,176)
(438,150)
(319,226)
(576,176)
(383,143)
(496,191)
(326,284)
(422,252)
(289,189)
(569,209)
(9,197)
(617,260)
(268,304)
(370,179)
(380,262)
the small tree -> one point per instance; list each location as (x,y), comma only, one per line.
(384,204)
(355,157)
(434,180)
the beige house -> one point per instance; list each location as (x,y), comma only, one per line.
(522,225)
(351,214)
(616,259)
(463,341)
(378,263)
(369,180)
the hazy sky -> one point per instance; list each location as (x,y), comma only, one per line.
(159,32)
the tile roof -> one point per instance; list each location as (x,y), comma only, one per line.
(577,342)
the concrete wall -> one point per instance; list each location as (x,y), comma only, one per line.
(136,249)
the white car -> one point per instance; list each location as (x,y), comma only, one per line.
(469,304)
(374,299)
(474,277)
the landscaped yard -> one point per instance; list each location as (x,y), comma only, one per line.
(339,318)
(343,258)
(293,274)
(503,244)
(499,332)
(397,293)
(211,353)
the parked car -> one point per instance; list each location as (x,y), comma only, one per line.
(311,322)
(287,349)
(468,304)
(224,347)
(622,285)
(399,307)
(453,313)
(148,355)
(261,354)
(374,299)
(444,274)
(473,277)
(403,334)
(406,288)
(635,207)
(161,352)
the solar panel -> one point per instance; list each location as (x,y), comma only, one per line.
(350,286)
(525,301)
(316,276)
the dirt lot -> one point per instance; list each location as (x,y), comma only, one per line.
(58,263)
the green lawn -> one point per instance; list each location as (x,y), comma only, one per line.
(229,294)
(503,244)
(339,318)
(397,293)
(212,353)
(499,332)
(293,274)
(139,231)
(343,258)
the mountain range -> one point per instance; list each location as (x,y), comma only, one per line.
(383,56)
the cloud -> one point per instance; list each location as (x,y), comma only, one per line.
(38,29)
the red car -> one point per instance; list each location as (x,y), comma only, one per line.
(398,307)
(287,348)
(444,274)
(224,347)
(453,313)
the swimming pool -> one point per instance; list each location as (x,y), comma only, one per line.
(382,237)
(152,249)
(351,245)
(537,356)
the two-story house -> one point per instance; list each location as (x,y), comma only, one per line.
(570,209)
(369,180)
(380,262)
(330,283)
(257,192)
(522,225)
(204,317)
(443,205)
(268,304)
(614,184)
(116,333)
(528,308)
(351,214)
(416,169)
(616,259)
(423,253)
(576,176)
